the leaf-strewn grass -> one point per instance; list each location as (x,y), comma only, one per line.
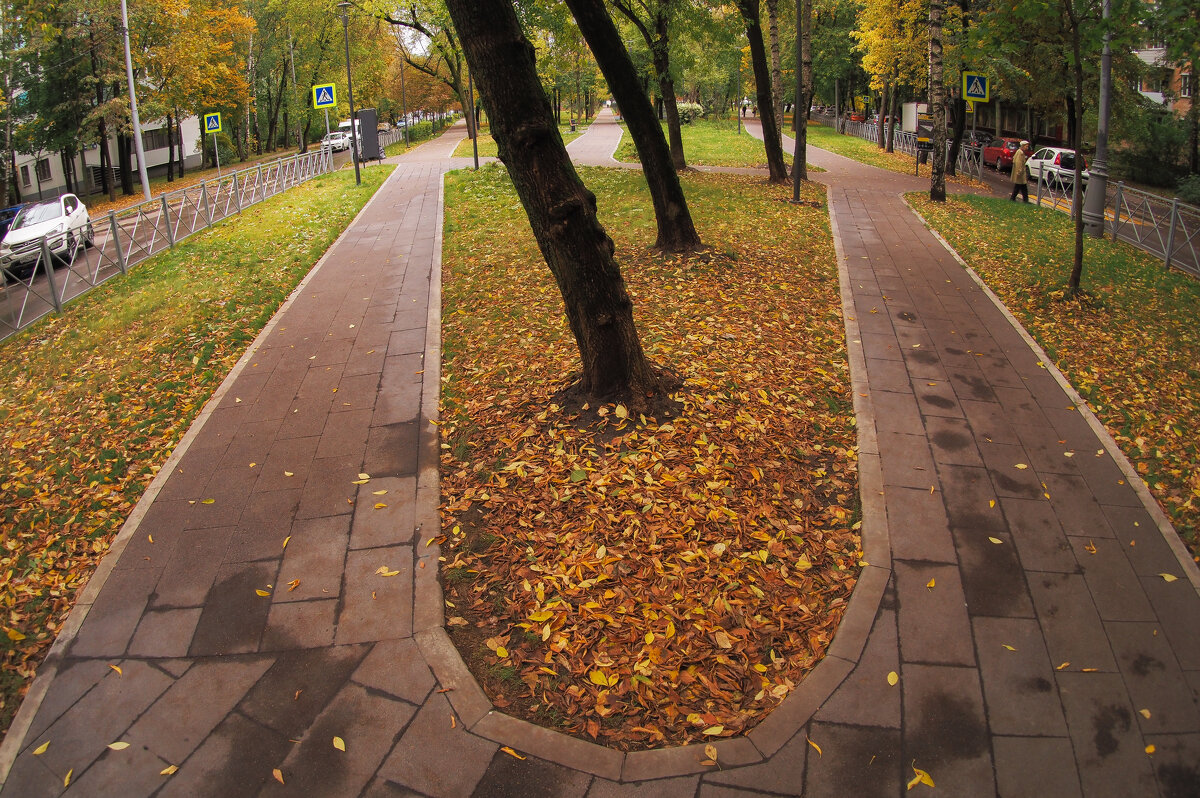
(1130,346)
(93,401)
(640,581)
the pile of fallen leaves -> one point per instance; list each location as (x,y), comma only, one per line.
(1130,344)
(648,581)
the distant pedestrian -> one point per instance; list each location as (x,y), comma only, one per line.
(1020,172)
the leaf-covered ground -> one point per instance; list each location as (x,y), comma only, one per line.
(647,582)
(1130,346)
(487,145)
(93,401)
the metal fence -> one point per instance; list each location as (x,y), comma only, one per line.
(66,267)
(1163,227)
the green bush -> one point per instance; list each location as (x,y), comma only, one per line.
(1189,190)
(1154,150)
(690,112)
(224,146)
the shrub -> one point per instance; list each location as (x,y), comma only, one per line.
(1189,190)
(690,112)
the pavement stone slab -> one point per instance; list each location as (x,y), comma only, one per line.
(234,614)
(1033,767)
(1070,624)
(945,728)
(376,606)
(438,757)
(865,698)
(1018,678)
(994,583)
(509,777)
(236,760)
(298,686)
(396,667)
(918,525)
(1109,747)
(933,622)
(1154,679)
(1115,587)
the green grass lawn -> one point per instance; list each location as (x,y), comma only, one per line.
(710,142)
(1130,345)
(487,145)
(93,401)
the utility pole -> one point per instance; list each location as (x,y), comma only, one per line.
(345,7)
(1097,189)
(133,109)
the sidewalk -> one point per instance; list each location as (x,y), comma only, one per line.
(229,685)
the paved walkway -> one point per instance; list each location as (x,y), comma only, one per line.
(985,577)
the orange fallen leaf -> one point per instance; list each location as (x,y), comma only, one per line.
(292,585)
(168,770)
(816,747)
(277,775)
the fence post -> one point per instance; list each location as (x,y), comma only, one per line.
(1171,232)
(258,186)
(54,300)
(1039,191)
(207,204)
(166,213)
(114,230)
(237,200)
(1117,208)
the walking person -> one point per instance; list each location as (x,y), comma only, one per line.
(1020,172)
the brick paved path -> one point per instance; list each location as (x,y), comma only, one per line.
(228,685)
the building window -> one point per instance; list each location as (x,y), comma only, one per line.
(1185,85)
(26,182)
(159,139)
(43,169)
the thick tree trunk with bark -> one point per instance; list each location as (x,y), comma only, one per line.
(804,21)
(124,142)
(676,231)
(776,166)
(666,85)
(937,103)
(960,129)
(561,211)
(776,67)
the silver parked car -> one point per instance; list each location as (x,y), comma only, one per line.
(1057,165)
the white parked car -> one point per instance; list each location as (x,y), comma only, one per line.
(1057,164)
(338,141)
(64,220)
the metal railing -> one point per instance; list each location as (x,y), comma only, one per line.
(1166,228)
(66,267)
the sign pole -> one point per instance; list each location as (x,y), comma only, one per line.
(212,124)
(217,155)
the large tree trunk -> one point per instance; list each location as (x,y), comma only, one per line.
(561,211)
(1076,136)
(804,93)
(776,68)
(881,132)
(666,84)
(762,78)
(124,142)
(676,231)
(937,103)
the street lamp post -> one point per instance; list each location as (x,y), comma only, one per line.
(345,7)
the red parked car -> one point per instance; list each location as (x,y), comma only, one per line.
(1000,153)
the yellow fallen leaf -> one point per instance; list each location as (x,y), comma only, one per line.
(118,746)
(649,638)
(1150,749)
(621,412)
(921,777)
(262,592)
(364,476)
(380,505)
(208,501)
(991,503)
(288,474)
(41,749)
(359,481)
(378,492)
(1021,466)
(1168,577)
(1145,713)
(339,743)
(117,668)
(168,770)
(1088,670)
(714,730)
(13,634)
(511,752)
(252,465)
(150,538)
(670,629)
(1006,645)
(67,778)
(285,541)
(278,775)
(1063,666)
(501,652)
(816,747)
(997,541)
(1090,548)
(931,584)
(383,571)
(710,751)
(893,678)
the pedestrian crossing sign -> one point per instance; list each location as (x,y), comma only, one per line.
(212,123)
(324,96)
(976,87)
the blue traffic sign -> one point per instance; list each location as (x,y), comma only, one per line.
(976,87)
(212,123)
(325,96)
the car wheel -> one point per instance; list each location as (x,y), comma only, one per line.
(89,236)
(998,164)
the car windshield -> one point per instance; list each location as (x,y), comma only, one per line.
(36,214)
